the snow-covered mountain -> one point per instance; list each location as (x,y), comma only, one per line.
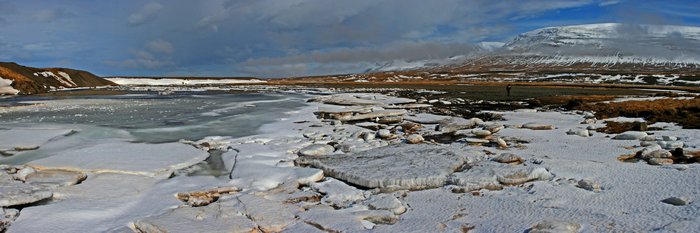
(477,50)
(609,47)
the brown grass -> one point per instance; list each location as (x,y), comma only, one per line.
(569,99)
(685,112)
(9,74)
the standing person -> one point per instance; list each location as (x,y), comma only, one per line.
(508,89)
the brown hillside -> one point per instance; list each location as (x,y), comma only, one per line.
(29,80)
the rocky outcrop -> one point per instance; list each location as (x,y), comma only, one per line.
(29,80)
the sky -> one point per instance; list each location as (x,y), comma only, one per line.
(280,38)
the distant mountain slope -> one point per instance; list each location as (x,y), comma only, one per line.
(608,47)
(18,79)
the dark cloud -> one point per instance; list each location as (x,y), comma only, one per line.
(51,15)
(275,37)
(147,13)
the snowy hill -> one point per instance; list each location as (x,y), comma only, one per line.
(608,47)
(612,43)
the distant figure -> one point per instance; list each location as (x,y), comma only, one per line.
(508,89)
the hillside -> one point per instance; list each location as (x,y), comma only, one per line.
(593,53)
(23,80)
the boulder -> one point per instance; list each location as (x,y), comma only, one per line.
(316,150)
(509,158)
(579,132)
(481,133)
(385,134)
(385,201)
(589,185)
(501,143)
(414,139)
(656,154)
(338,194)
(456,123)
(677,201)
(537,126)
(24,172)
(660,161)
(630,135)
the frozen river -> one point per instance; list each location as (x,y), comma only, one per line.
(146,117)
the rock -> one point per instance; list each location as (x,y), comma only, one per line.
(630,135)
(316,150)
(400,166)
(373,115)
(456,123)
(669,145)
(550,226)
(475,140)
(669,138)
(390,120)
(536,126)
(647,143)
(368,136)
(51,177)
(579,132)
(24,172)
(588,115)
(495,128)
(501,143)
(338,194)
(385,134)
(14,193)
(386,202)
(656,154)
(589,121)
(7,216)
(475,178)
(509,158)
(660,161)
(481,133)
(414,139)
(308,176)
(589,185)
(523,175)
(648,138)
(647,150)
(206,197)
(677,201)
(426,118)
(211,218)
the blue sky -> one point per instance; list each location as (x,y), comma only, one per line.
(275,38)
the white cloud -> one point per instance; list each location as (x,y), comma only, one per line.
(145,14)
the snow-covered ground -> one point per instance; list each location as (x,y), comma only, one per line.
(305,171)
(6,88)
